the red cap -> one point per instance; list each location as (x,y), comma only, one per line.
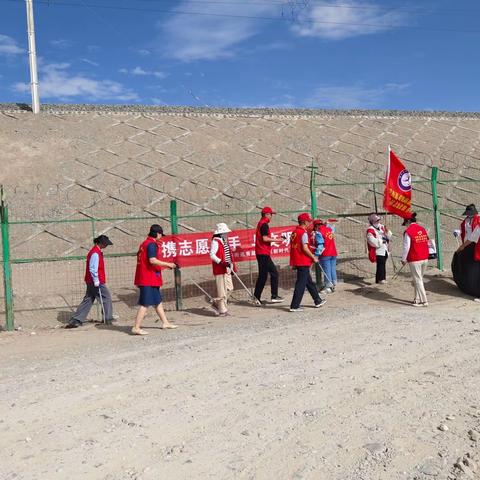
(267,210)
(317,221)
(304,217)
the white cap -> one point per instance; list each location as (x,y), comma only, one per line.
(221,228)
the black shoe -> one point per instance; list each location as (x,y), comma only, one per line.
(74,324)
(109,322)
(277,299)
(321,303)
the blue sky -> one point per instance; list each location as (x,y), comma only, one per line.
(250,53)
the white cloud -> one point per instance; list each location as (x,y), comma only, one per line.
(353,96)
(197,37)
(61,43)
(57,82)
(90,62)
(8,46)
(139,71)
(143,52)
(336,20)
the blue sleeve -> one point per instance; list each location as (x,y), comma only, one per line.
(93,267)
(320,241)
(152,250)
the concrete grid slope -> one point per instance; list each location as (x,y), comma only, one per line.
(88,161)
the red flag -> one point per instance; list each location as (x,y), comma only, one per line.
(397,197)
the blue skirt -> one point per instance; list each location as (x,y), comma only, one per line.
(150,296)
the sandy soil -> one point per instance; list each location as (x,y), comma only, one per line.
(360,389)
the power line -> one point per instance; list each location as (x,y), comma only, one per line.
(249,17)
(415,10)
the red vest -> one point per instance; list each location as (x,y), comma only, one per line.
(372,251)
(146,274)
(261,247)
(418,243)
(216,267)
(298,258)
(329,239)
(475,223)
(101,266)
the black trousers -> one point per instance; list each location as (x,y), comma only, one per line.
(304,280)
(381,273)
(265,267)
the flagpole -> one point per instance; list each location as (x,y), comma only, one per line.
(386,212)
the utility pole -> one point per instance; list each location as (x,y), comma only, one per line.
(32,56)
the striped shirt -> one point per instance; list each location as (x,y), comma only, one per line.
(228,255)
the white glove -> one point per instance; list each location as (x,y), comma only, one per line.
(96,283)
(457,233)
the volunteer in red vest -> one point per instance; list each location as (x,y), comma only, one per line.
(95,278)
(470,230)
(148,279)
(326,251)
(378,238)
(301,259)
(263,247)
(415,253)
(222,266)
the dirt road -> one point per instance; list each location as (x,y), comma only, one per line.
(360,389)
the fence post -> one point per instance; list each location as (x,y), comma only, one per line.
(436,218)
(177,274)
(7,267)
(313,189)
(313,210)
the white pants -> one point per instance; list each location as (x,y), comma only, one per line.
(224,287)
(418,270)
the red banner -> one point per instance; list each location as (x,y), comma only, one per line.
(397,197)
(193,249)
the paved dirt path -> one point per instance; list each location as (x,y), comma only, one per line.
(355,390)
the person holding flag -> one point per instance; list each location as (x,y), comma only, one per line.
(378,238)
(415,253)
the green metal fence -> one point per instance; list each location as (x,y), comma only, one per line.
(439,201)
(35,284)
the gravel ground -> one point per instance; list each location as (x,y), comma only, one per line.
(365,388)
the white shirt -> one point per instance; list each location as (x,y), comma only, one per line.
(468,228)
(407,242)
(472,236)
(214,249)
(376,240)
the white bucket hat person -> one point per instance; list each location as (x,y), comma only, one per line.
(221,228)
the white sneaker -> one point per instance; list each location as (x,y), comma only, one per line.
(383,282)
(476,300)
(296,310)
(321,304)
(326,290)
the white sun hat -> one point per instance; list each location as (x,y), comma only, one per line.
(221,228)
